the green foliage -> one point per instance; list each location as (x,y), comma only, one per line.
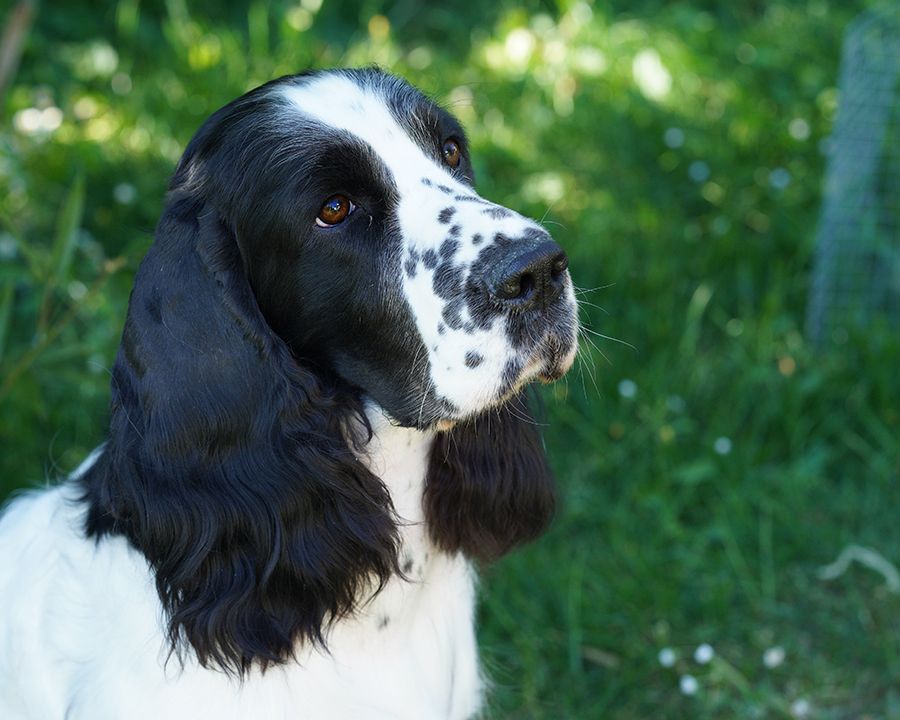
(710,466)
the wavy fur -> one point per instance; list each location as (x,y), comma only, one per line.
(489,487)
(227,462)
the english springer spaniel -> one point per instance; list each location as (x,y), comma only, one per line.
(317,426)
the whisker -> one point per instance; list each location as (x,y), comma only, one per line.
(546,213)
(588,367)
(524,418)
(609,337)
(553,222)
(590,304)
(585,291)
(594,345)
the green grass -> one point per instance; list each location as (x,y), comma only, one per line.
(663,541)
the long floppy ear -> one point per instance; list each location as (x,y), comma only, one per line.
(489,487)
(228,464)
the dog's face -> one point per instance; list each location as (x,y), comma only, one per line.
(350,195)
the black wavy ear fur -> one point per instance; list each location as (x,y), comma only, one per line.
(228,465)
(489,487)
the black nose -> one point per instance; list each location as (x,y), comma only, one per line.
(530,275)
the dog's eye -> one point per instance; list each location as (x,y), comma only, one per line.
(334,211)
(451,152)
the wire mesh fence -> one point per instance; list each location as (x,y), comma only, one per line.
(856,276)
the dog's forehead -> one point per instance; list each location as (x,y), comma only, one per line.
(363,111)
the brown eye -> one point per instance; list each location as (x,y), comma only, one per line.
(451,153)
(334,211)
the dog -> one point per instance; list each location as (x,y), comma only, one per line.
(318,426)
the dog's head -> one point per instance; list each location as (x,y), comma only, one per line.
(350,197)
(322,249)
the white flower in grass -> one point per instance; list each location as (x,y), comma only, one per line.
(674,137)
(780,178)
(667,657)
(31,121)
(699,171)
(124,193)
(627,389)
(650,75)
(688,685)
(799,129)
(675,403)
(704,653)
(800,708)
(773,657)
(7,246)
(77,290)
(722,445)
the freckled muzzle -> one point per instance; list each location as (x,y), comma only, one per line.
(490,294)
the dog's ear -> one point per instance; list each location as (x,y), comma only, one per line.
(229,465)
(489,487)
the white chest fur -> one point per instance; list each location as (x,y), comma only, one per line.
(85,641)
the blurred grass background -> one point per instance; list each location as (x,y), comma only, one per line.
(676,150)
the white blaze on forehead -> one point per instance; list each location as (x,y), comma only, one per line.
(362,112)
(337,101)
(425,188)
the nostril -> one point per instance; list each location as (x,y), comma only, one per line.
(516,287)
(559,266)
(509,289)
(526,285)
(528,275)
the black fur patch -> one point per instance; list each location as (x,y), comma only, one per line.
(471,198)
(452,313)
(511,372)
(411,264)
(446,215)
(473,359)
(496,213)
(448,248)
(153,306)
(430,259)
(447,282)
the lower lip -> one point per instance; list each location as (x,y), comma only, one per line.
(558,367)
(551,376)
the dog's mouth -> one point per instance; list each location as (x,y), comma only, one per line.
(546,364)
(558,358)
(549,362)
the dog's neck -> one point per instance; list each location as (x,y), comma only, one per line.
(399,456)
